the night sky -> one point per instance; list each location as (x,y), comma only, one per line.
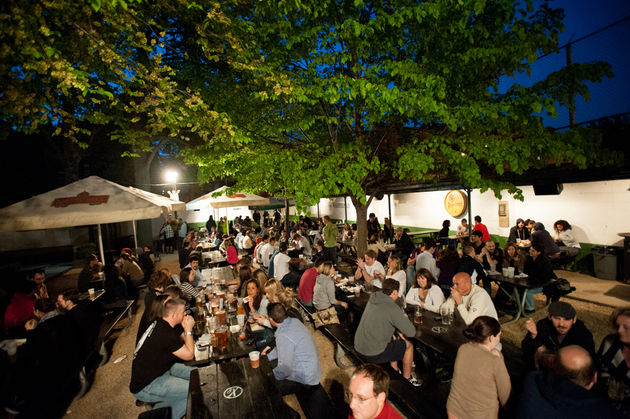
(582,17)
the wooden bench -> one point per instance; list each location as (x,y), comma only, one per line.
(412,401)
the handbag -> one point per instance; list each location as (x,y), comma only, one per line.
(325,317)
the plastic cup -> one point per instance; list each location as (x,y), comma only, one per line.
(510,272)
(240,319)
(91,293)
(221,316)
(505,272)
(254,359)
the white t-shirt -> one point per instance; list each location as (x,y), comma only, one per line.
(401,277)
(373,269)
(265,254)
(281,265)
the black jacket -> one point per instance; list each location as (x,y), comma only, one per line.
(548,336)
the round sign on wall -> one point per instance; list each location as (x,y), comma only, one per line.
(455,203)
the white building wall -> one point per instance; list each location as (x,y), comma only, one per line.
(597,211)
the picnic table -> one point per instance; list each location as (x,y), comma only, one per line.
(235,390)
(418,234)
(217,275)
(212,257)
(521,284)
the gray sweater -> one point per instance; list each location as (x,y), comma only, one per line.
(323,292)
(381,318)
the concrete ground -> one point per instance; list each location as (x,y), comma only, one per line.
(109,396)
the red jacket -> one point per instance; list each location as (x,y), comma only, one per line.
(484,231)
(307,284)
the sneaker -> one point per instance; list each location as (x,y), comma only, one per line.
(415,382)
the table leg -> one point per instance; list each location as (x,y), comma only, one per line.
(520,304)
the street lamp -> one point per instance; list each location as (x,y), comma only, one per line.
(171,177)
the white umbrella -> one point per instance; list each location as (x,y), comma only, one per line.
(237,199)
(88,201)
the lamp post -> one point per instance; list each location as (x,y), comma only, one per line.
(171,177)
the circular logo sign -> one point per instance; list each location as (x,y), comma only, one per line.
(455,203)
(233,392)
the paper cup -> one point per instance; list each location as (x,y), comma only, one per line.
(510,272)
(91,293)
(505,272)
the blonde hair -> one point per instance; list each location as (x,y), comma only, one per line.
(275,289)
(325,268)
(398,266)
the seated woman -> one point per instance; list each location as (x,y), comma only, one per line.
(395,270)
(347,234)
(425,292)
(376,244)
(538,268)
(324,290)
(248,242)
(277,293)
(462,231)
(256,310)
(444,232)
(186,276)
(563,236)
(479,366)
(232,254)
(511,258)
(307,286)
(519,232)
(614,356)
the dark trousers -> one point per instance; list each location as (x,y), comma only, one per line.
(313,400)
(332,251)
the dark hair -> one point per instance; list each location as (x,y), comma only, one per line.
(582,376)
(565,225)
(320,243)
(428,243)
(537,247)
(277,312)
(265,237)
(258,297)
(450,254)
(193,258)
(477,233)
(244,274)
(371,253)
(373,238)
(159,279)
(92,257)
(36,271)
(390,285)
(156,311)
(506,255)
(283,247)
(482,328)
(171,304)
(425,273)
(380,379)
(45,305)
(529,221)
(184,274)
(477,218)
(71,295)
(174,292)
(446,223)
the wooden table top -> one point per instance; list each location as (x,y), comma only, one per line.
(235,390)
(236,348)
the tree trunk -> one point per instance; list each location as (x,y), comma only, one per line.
(286,214)
(361,239)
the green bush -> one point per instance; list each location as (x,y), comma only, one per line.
(84,250)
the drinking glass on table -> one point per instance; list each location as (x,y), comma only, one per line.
(417,315)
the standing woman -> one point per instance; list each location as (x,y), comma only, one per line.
(425,292)
(479,366)
(388,231)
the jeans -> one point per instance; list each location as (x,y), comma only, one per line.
(411,274)
(529,299)
(332,251)
(169,389)
(313,400)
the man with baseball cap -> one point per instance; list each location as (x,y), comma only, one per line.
(559,329)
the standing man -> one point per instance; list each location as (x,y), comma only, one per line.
(373,226)
(559,329)
(381,335)
(298,369)
(183,230)
(367,394)
(370,269)
(155,374)
(479,226)
(471,300)
(330,239)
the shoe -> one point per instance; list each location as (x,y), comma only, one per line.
(415,382)
(529,311)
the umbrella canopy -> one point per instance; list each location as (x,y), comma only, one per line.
(237,199)
(88,201)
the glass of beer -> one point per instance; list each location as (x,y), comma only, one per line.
(214,341)
(417,315)
(222,336)
(221,316)
(254,359)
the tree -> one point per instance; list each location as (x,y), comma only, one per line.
(344,97)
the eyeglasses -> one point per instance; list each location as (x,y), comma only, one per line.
(360,399)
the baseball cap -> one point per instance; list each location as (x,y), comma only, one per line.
(562,309)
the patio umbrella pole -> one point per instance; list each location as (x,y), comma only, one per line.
(135,236)
(100,243)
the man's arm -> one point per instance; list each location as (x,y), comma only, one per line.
(286,357)
(404,325)
(187,351)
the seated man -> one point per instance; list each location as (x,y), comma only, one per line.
(85,314)
(367,394)
(565,392)
(469,264)
(371,270)
(477,243)
(193,264)
(380,336)
(403,245)
(561,328)
(38,276)
(89,273)
(282,269)
(155,374)
(471,300)
(298,371)
(426,260)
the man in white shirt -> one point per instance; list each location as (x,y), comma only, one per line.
(371,270)
(426,260)
(281,270)
(303,244)
(259,246)
(266,251)
(471,300)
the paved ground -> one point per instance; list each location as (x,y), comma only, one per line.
(109,396)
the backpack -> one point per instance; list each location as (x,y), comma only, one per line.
(557,288)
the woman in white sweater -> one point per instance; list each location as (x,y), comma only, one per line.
(395,270)
(564,238)
(425,292)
